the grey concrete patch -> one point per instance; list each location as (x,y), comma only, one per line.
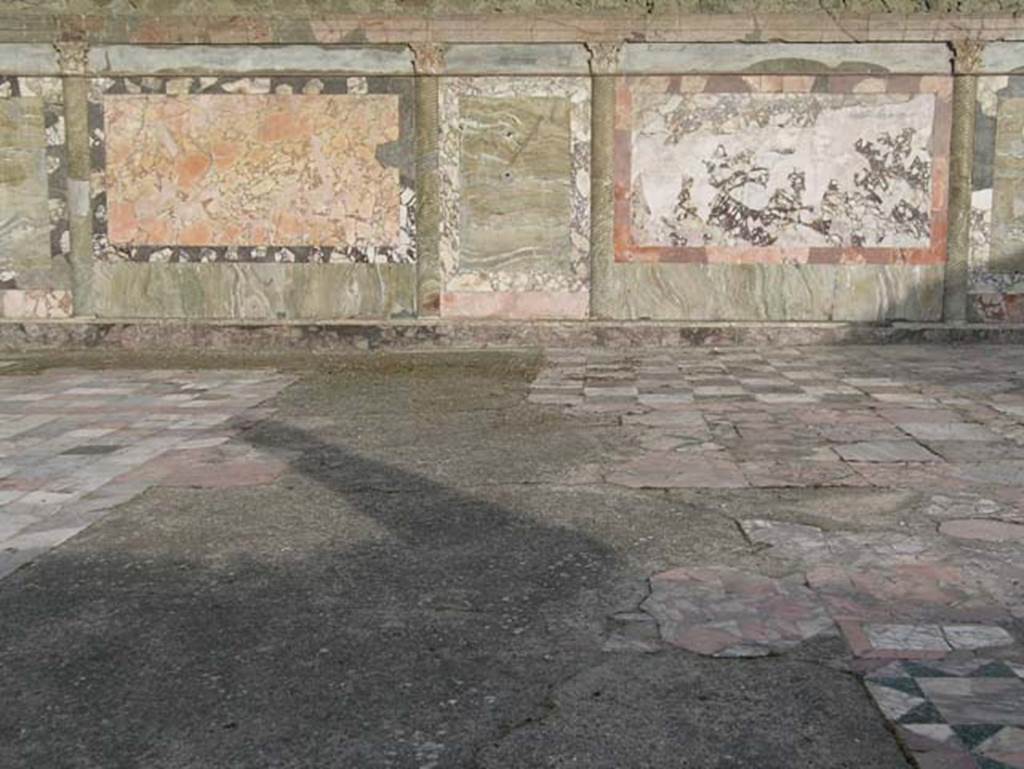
(660,711)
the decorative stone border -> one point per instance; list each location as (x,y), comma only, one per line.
(50,91)
(627,249)
(963,713)
(577,90)
(993,295)
(17,301)
(104,250)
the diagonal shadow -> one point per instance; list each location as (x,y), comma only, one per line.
(359,614)
(489,544)
(447,623)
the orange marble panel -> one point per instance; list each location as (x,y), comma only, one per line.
(251,170)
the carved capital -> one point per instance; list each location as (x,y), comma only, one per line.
(604,57)
(428,58)
(72,56)
(966,55)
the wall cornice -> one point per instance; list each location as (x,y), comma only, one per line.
(505,28)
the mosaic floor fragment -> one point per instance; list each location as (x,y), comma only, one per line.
(74,444)
(955,714)
(929,607)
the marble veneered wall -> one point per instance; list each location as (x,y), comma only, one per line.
(779,197)
(34,240)
(262,170)
(996,264)
(515,216)
(786,169)
(252,197)
(748,182)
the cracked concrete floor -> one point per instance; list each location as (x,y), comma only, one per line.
(500,560)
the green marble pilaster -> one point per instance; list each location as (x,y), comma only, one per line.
(604,60)
(76,120)
(428,194)
(965,89)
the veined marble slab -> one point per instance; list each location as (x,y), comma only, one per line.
(253,170)
(787,169)
(34,229)
(247,291)
(998,58)
(776,292)
(250,170)
(515,184)
(36,303)
(242,59)
(1006,252)
(24,219)
(38,59)
(786,58)
(523,59)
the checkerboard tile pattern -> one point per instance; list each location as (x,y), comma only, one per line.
(74,444)
(851,416)
(781,376)
(946,424)
(955,714)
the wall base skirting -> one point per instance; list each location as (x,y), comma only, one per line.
(229,336)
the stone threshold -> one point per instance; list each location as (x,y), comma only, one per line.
(355,335)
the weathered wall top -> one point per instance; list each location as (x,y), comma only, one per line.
(513,21)
(434,7)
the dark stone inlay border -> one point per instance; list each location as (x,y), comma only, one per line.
(55,155)
(399,154)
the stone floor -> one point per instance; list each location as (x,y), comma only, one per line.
(948,584)
(955,714)
(588,558)
(74,444)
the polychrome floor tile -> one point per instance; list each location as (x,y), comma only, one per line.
(93,440)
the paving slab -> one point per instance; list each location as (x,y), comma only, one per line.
(573,558)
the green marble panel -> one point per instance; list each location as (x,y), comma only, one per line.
(750,292)
(1007,250)
(254,291)
(24,210)
(516,171)
(885,292)
(774,292)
